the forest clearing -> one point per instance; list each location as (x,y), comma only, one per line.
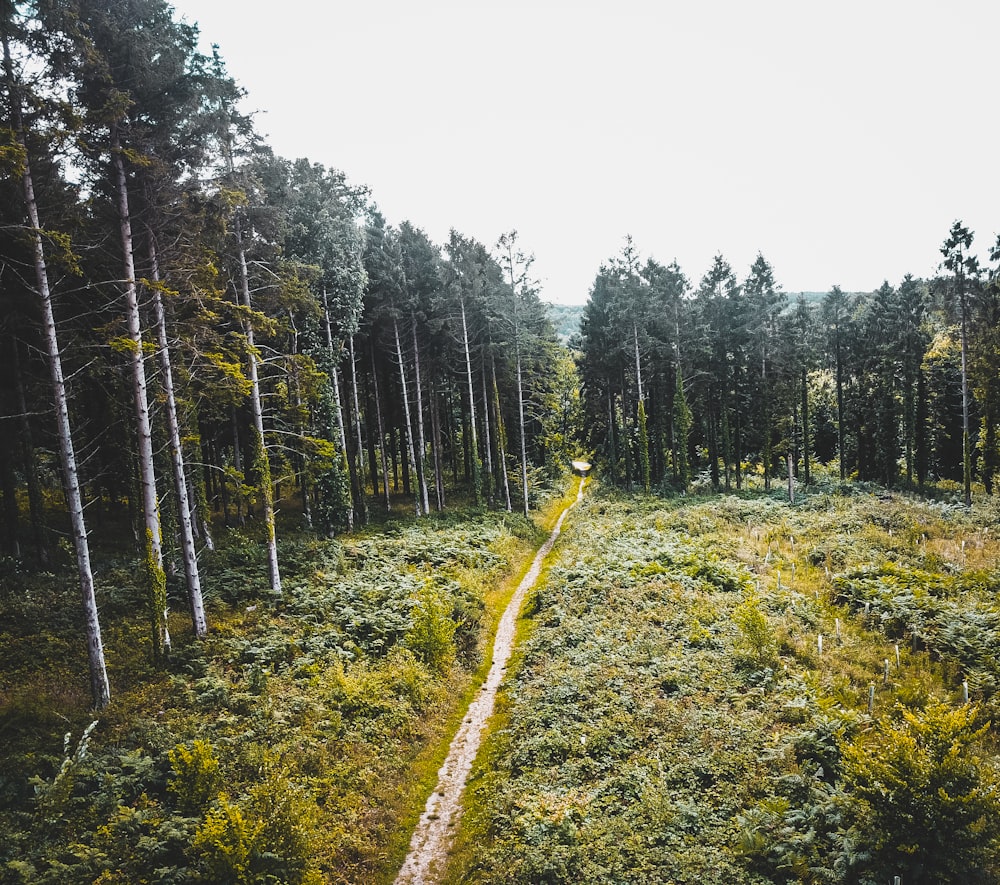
(702,689)
(281,490)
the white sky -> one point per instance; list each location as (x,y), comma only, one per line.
(841,139)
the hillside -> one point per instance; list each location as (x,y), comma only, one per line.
(565,319)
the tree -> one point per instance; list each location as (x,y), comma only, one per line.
(517,266)
(834,310)
(764,301)
(99,686)
(963,266)
(229,126)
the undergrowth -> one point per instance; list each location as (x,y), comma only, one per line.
(282,748)
(691,703)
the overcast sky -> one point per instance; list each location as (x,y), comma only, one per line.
(841,140)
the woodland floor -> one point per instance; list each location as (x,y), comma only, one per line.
(668,713)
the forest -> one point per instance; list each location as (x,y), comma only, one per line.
(270,467)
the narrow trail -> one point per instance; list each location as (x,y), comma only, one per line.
(433,835)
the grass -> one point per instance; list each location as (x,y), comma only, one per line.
(650,731)
(319,696)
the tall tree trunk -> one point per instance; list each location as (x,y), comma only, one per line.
(30,458)
(966,436)
(473,443)
(262,465)
(501,437)
(488,441)
(766,452)
(805,426)
(99,686)
(612,428)
(411,458)
(520,420)
(373,471)
(381,431)
(144,434)
(727,450)
(420,443)
(188,552)
(436,445)
(362,504)
(738,430)
(840,408)
(334,356)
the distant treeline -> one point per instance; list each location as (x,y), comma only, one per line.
(900,385)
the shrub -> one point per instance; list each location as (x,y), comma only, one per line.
(756,640)
(195,779)
(922,803)
(432,636)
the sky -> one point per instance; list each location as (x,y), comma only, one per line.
(840,140)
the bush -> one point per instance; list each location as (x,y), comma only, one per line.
(432,636)
(757,641)
(922,803)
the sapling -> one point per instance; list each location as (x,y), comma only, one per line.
(897,655)
(819,644)
(885,671)
(871,697)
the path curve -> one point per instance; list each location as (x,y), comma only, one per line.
(432,838)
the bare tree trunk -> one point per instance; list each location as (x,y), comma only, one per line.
(488,441)
(362,506)
(520,419)
(339,416)
(381,433)
(144,433)
(501,434)
(421,443)
(99,687)
(841,455)
(35,507)
(263,465)
(406,416)
(436,446)
(474,446)
(638,367)
(966,438)
(189,555)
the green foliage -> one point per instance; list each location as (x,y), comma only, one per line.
(52,796)
(923,801)
(757,640)
(265,839)
(955,613)
(155,580)
(195,775)
(432,635)
(181,790)
(226,843)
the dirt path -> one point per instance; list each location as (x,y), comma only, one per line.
(432,838)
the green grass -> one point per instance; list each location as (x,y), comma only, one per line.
(325,718)
(670,718)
